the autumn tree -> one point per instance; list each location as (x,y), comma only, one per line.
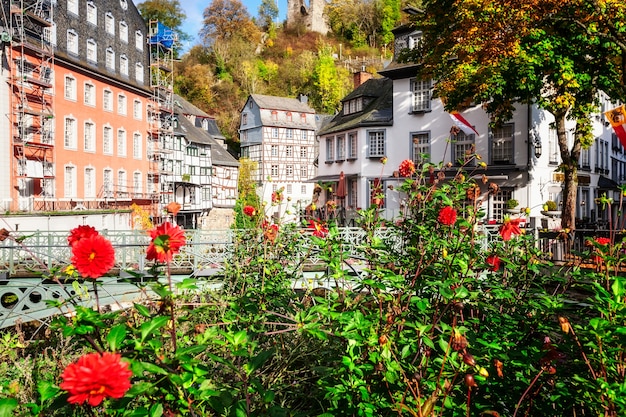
(225,20)
(504,53)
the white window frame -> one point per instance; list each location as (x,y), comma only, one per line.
(107,140)
(274,170)
(137,148)
(72,7)
(501,144)
(92,13)
(122,188)
(70,133)
(121,105)
(139,40)
(89,94)
(124,65)
(137,184)
(420,144)
(289,170)
(421,94)
(72,42)
(275,132)
(92,51)
(109,23)
(70,88)
(69,181)
(107,99)
(123,31)
(110,58)
(139,77)
(107,182)
(89,136)
(121,143)
(90,182)
(462,144)
(137,109)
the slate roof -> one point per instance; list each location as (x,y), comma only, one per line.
(281,103)
(195,133)
(378,112)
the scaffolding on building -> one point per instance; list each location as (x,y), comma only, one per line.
(28,26)
(162,41)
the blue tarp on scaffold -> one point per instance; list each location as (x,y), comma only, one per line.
(164,36)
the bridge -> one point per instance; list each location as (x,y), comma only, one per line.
(28,259)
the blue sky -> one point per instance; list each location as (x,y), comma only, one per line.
(194,9)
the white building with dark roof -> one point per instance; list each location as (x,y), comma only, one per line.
(279,134)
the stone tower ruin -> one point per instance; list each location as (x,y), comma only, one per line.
(310,15)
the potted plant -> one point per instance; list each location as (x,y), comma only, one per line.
(550,209)
(511,206)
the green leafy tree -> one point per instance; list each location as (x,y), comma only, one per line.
(389,18)
(548,53)
(268,12)
(327,80)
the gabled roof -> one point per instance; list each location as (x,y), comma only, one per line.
(183,106)
(195,133)
(281,103)
(378,112)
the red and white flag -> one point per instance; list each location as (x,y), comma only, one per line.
(460,122)
(617,117)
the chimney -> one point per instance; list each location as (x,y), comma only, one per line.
(303,98)
(361,76)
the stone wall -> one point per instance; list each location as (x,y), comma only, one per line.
(310,15)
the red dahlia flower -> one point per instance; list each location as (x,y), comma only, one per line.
(447,216)
(407,168)
(510,227)
(603,240)
(318,228)
(249,211)
(167,240)
(494,262)
(94,377)
(93,256)
(80,232)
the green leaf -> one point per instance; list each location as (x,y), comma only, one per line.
(115,337)
(256,362)
(47,390)
(7,405)
(156,410)
(150,367)
(143,310)
(191,350)
(187,284)
(152,326)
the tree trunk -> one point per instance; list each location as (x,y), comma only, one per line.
(570,172)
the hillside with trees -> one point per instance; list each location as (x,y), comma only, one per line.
(241,54)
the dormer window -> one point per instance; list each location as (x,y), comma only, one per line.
(353,106)
(415,40)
